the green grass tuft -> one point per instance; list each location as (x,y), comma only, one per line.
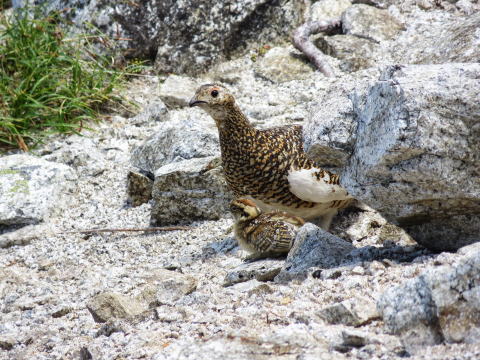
(48,83)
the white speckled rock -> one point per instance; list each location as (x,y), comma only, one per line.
(31,189)
(369,22)
(328,9)
(282,64)
(439,38)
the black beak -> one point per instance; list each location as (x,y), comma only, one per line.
(194,102)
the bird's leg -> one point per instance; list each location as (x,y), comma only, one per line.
(326,220)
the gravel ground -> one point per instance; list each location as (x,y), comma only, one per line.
(46,285)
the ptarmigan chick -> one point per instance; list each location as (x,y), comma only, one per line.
(270,166)
(263,234)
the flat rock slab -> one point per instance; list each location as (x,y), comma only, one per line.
(261,270)
(25,235)
(31,189)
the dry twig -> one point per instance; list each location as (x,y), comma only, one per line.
(302,42)
(150,229)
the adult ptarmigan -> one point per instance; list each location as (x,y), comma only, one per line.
(270,166)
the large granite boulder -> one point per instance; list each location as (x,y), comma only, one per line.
(416,156)
(187,36)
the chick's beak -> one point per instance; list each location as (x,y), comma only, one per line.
(195,102)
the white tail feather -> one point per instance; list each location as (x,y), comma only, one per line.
(305,185)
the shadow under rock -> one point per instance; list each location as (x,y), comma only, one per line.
(396,253)
(316,249)
(219,247)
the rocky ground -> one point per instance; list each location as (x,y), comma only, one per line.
(366,292)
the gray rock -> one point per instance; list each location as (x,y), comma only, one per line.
(355,53)
(415,158)
(361,223)
(81,153)
(370,23)
(31,189)
(439,305)
(351,312)
(328,9)
(25,235)
(154,112)
(193,135)
(165,287)
(282,64)
(452,40)
(233,71)
(139,187)
(189,190)
(315,247)
(176,91)
(467,7)
(261,270)
(355,338)
(109,306)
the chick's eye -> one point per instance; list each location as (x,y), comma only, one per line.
(214,93)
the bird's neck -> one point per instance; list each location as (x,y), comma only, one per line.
(232,123)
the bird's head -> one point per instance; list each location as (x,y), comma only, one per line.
(244,209)
(213,98)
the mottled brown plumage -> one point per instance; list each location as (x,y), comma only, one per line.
(269,166)
(263,234)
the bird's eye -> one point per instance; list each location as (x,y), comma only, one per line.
(214,93)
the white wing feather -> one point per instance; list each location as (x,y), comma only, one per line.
(305,185)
